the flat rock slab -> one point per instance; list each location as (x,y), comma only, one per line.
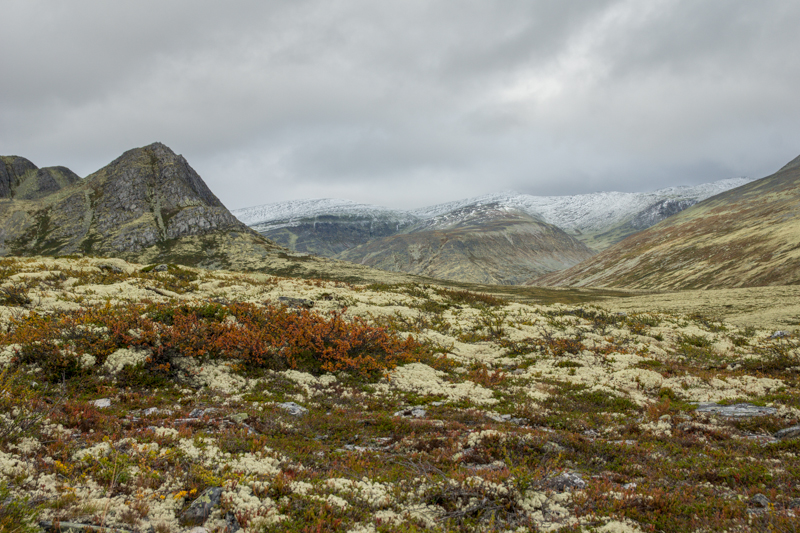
(411,412)
(293,409)
(788,433)
(738,410)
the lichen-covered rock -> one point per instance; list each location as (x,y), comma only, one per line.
(201,507)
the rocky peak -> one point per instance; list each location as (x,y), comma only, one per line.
(148,197)
(12,170)
(154,173)
(22,180)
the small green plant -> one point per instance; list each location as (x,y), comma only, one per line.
(17,515)
(16,294)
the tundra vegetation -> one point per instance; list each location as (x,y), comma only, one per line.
(159,398)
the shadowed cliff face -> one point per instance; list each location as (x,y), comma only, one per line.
(745,237)
(22,180)
(330,235)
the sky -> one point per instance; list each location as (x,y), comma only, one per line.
(407,103)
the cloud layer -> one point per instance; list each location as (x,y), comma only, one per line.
(408,103)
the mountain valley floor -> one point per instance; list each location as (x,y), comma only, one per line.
(164,398)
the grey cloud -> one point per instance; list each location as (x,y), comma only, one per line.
(407,103)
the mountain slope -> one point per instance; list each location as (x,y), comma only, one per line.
(324,227)
(597,219)
(329,226)
(147,196)
(744,237)
(494,245)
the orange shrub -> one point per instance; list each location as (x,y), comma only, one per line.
(269,337)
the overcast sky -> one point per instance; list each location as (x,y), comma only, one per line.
(407,103)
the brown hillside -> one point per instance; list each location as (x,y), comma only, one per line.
(745,237)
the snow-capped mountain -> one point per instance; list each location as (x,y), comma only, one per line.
(598,219)
(281,214)
(504,237)
(583,212)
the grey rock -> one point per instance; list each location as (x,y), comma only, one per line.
(567,481)
(102,403)
(739,410)
(293,409)
(201,507)
(780,334)
(553,447)
(759,500)
(160,268)
(629,486)
(231,523)
(411,412)
(296,303)
(591,434)
(788,433)
(239,417)
(111,268)
(200,413)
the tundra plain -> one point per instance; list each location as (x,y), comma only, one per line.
(161,398)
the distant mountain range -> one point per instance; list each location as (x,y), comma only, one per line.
(150,206)
(505,238)
(744,237)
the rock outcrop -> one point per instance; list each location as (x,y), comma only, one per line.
(148,197)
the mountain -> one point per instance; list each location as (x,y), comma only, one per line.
(21,179)
(489,244)
(324,227)
(140,204)
(747,236)
(504,238)
(597,219)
